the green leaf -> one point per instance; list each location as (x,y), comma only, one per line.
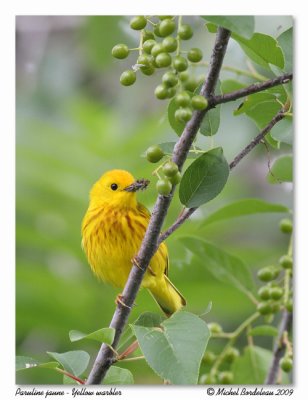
(74,362)
(244,207)
(174,351)
(210,123)
(223,266)
(29,362)
(212,28)
(177,126)
(104,335)
(118,376)
(283,131)
(230,85)
(261,107)
(285,41)
(272,142)
(282,170)
(242,25)
(262,49)
(252,367)
(149,320)
(204,179)
(264,330)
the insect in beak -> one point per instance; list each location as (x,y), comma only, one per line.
(139,184)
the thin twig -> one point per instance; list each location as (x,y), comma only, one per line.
(251,89)
(185,215)
(105,357)
(279,349)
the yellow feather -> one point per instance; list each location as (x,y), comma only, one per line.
(112,230)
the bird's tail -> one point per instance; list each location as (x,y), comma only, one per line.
(167,296)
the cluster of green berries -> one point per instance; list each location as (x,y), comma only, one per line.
(159,50)
(271,295)
(171,174)
(225,376)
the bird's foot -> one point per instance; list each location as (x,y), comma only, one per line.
(135,261)
(119,300)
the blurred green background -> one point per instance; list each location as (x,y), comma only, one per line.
(74,121)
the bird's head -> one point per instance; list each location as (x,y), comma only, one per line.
(118,188)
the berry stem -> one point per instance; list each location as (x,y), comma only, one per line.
(141,41)
(233,336)
(178,50)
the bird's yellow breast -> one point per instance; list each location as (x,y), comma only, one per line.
(112,237)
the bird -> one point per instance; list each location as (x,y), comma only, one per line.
(112,231)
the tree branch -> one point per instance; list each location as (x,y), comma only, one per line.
(254,88)
(279,349)
(185,215)
(105,356)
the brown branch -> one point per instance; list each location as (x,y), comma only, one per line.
(185,215)
(285,325)
(254,88)
(105,357)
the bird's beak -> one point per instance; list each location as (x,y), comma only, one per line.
(139,184)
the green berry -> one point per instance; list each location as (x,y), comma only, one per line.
(184,76)
(264,308)
(266,274)
(191,84)
(264,293)
(209,357)
(275,307)
(276,293)
(163,60)
(148,45)
(286,262)
(182,99)
(161,92)
(183,114)
(120,51)
(170,79)
(214,327)
(286,364)
(147,35)
(171,92)
(207,379)
(175,179)
(166,27)
(128,78)
(138,23)
(170,169)
(286,225)
(170,44)
(162,17)
(163,187)
(185,32)
(156,30)
(289,305)
(154,154)
(180,63)
(157,49)
(199,102)
(149,70)
(231,354)
(195,55)
(145,60)
(225,377)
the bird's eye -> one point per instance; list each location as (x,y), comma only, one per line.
(114,186)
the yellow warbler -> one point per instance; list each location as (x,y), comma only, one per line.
(112,231)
